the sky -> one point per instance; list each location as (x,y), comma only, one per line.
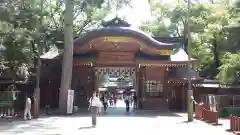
(139,12)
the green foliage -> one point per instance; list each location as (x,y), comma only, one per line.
(16,35)
(237,3)
(230,67)
(30,28)
(214,30)
(155,28)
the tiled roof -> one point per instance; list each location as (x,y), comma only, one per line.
(122,31)
(168,39)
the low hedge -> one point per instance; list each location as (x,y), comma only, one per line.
(227,111)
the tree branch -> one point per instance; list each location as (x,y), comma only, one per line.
(177,30)
(81,29)
(78,12)
(85,28)
(52,16)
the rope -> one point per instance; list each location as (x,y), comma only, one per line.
(194,101)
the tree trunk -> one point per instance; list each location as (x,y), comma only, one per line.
(185,45)
(67,56)
(216,57)
(36,93)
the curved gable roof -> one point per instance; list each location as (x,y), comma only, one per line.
(168,39)
(122,31)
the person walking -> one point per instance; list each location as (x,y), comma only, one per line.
(27,110)
(135,100)
(95,104)
(111,100)
(115,100)
(127,102)
(14,98)
(104,102)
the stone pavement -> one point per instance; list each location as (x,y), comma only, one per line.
(115,122)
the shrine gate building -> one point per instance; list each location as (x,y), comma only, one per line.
(155,67)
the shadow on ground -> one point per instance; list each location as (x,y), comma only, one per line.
(87,127)
(35,125)
(53,122)
(228,130)
(9,120)
(121,112)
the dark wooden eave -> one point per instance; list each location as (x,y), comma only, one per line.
(184,80)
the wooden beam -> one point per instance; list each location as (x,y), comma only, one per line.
(82,62)
(114,63)
(163,65)
(160,62)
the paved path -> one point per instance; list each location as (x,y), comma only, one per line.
(116,122)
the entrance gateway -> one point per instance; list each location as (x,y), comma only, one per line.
(118,77)
(116,80)
(156,71)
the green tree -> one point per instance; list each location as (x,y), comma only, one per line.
(30,28)
(17,34)
(229,70)
(155,29)
(208,24)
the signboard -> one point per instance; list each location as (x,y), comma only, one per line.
(166,52)
(116,56)
(70,99)
(117,39)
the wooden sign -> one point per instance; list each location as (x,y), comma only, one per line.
(117,39)
(116,56)
(166,52)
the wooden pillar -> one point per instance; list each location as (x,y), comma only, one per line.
(141,77)
(183,98)
(137,87)
(168,94)
(96,81)
(165,84)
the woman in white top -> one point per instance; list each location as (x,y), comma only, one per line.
(95,103)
